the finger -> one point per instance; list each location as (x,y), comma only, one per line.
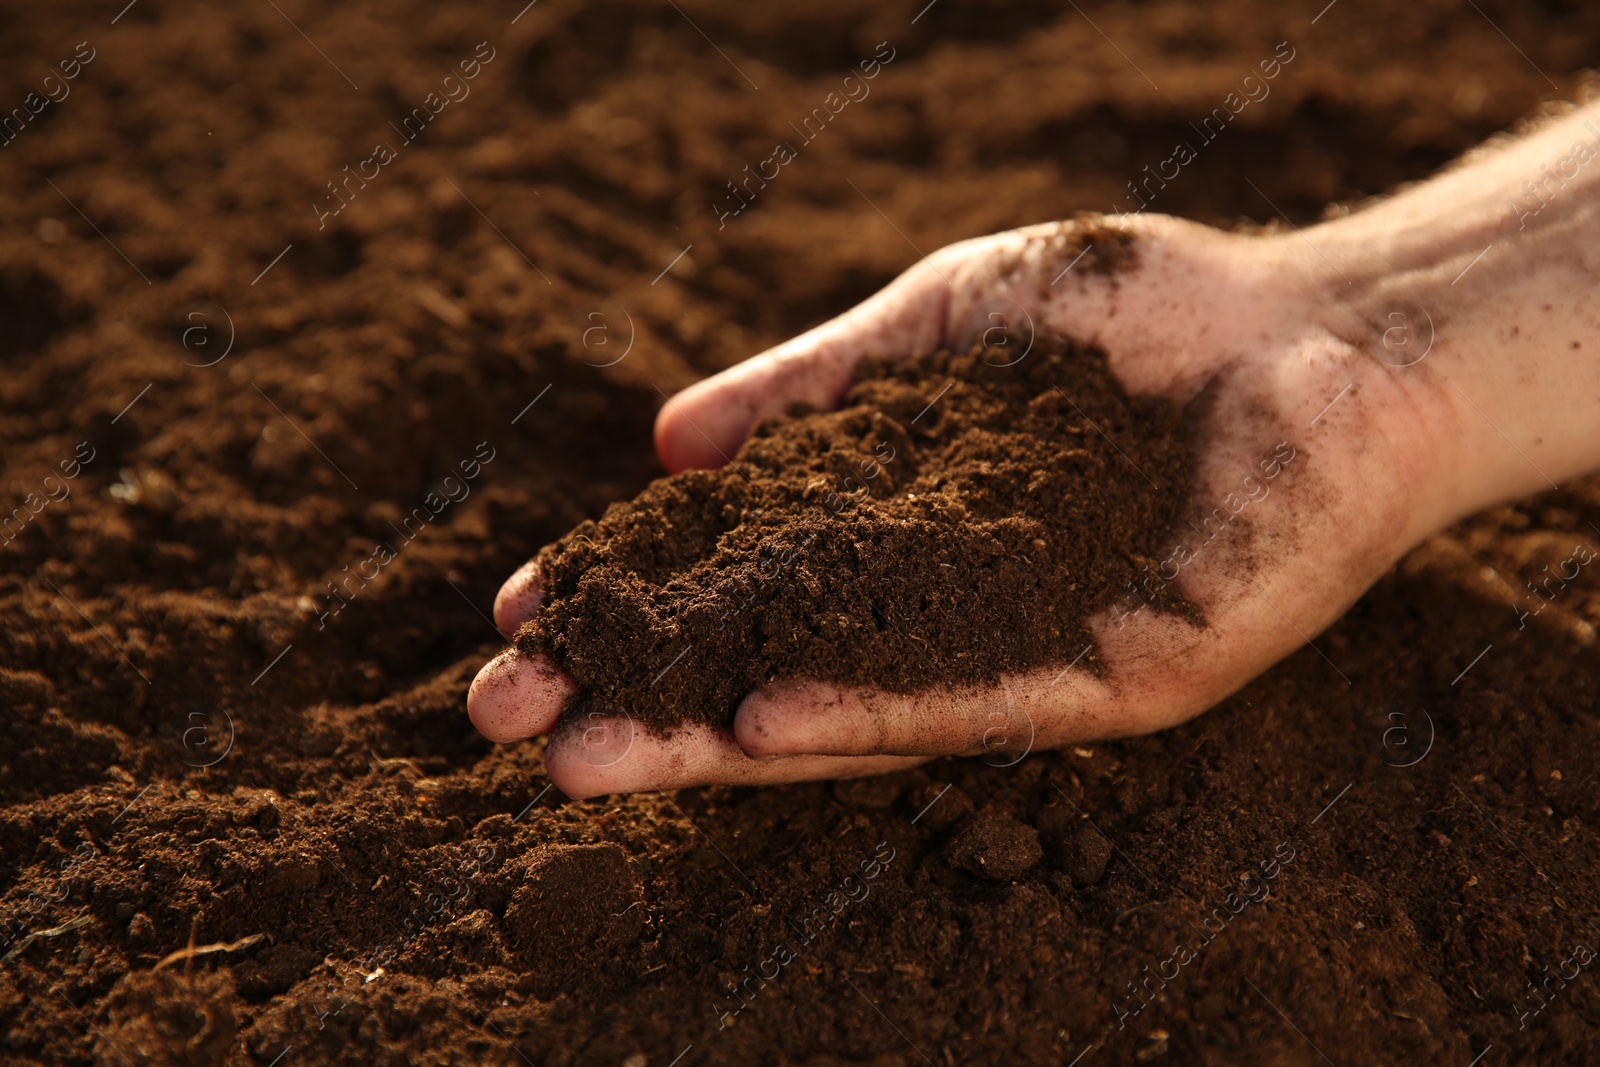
(599,755)
(824,719)
(516,696)
(1165,669)
(704,425)
(519,598)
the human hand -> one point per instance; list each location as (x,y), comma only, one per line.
(1327,445)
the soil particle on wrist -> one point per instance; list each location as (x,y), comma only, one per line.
(960,516)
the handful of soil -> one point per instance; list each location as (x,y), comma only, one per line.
(959,517)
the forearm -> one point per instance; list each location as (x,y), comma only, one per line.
(1498,260)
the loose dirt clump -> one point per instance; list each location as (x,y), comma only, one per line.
(958,516)
(577,911)
(170,1019)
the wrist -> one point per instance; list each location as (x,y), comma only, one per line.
(1475,293)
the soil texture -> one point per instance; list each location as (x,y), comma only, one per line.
(303,404)
(808,556)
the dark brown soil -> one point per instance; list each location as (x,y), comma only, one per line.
(957,517)
(199,735)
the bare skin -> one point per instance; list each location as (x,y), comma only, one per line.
(1421,360)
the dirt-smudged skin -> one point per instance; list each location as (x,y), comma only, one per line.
(358,820)
(960,516)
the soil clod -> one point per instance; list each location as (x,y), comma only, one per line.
(960,516)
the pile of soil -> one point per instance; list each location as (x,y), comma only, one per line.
(224,712)
(959,516)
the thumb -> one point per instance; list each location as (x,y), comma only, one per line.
(704,425)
